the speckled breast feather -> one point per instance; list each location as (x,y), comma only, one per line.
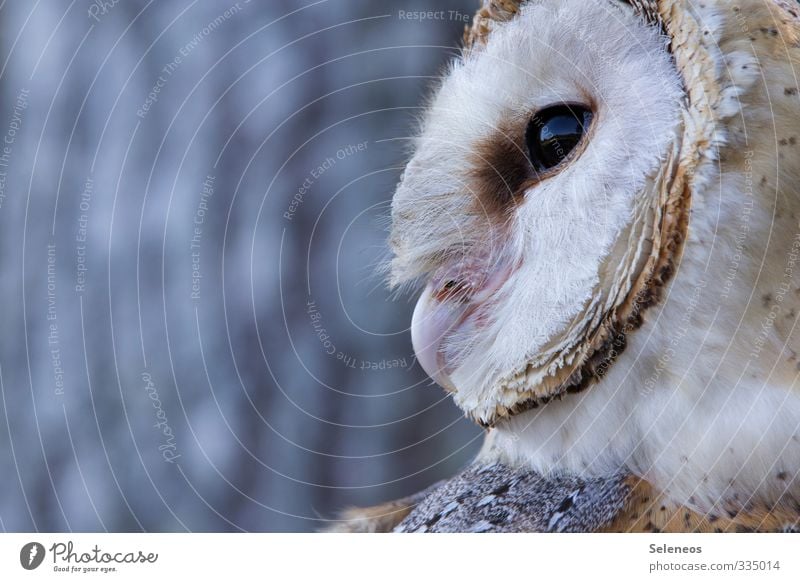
(497,498)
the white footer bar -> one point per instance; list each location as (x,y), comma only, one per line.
(353,558)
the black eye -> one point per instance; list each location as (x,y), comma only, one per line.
(554,132)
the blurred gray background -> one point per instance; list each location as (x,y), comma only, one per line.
(193,204)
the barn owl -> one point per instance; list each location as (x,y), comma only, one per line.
(603,210)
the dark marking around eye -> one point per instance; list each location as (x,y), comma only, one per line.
(501,170)
(522,152)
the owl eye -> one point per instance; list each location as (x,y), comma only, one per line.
(554,132)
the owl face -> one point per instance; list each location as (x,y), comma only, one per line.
(529,206)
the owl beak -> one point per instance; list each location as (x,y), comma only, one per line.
(451,302)
(431,323)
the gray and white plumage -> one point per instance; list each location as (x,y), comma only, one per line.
(497,498)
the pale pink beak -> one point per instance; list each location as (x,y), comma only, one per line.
(452,297)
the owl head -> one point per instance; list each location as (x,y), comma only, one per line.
(547,203)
